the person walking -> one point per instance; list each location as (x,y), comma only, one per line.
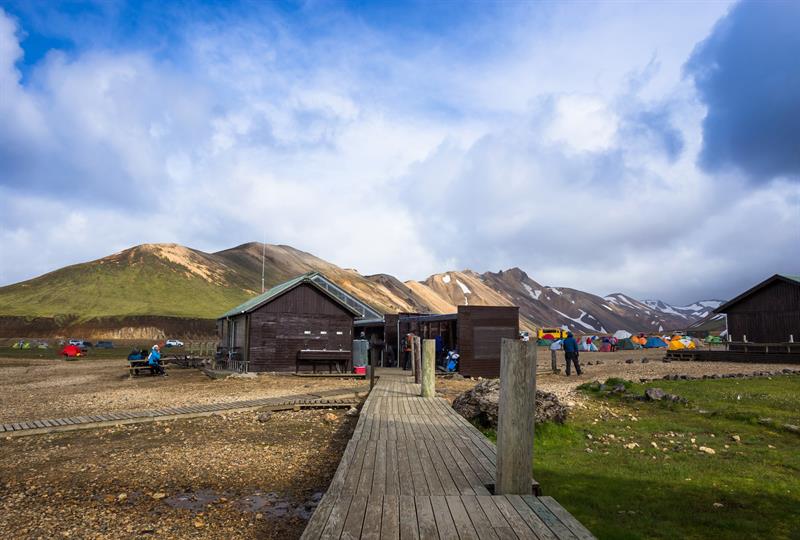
(154,361)
(571,353)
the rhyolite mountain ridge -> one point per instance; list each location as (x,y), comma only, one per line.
(154,290)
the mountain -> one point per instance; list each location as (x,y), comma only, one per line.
(147,284)
(692,312)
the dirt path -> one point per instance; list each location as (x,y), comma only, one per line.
(33,389)
(221,477)
(613,365)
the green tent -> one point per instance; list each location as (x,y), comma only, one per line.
(627,344)
(544,342)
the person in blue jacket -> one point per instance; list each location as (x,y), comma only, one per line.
(570,346)
(154,361)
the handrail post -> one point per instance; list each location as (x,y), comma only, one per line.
(428,367)
(417,348)
(516,418)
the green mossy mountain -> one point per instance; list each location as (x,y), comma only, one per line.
(170,280)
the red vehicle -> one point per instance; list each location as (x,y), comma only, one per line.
(71,351)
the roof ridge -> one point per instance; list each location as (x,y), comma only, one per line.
(279,289)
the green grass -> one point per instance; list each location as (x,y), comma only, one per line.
(143,285)
(646,492)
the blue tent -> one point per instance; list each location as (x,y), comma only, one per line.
(654,343)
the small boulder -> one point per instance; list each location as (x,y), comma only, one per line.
(629,361)
(352,411)
(654,394)
(645,360)
(480,403)
(330,418)
(707,450)
(264,417)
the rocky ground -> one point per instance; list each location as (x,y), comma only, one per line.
(35,389)
(219,477)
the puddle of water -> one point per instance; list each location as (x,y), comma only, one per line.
(271,504)
(195,501)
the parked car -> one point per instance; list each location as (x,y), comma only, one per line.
(87,344)
(104,345)
(173,343)
(77,342)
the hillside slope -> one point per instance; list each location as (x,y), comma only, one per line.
(169,280)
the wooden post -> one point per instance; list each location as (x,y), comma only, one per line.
(516,418)
(371,367)
(411,362)
(428,367)
(417,341)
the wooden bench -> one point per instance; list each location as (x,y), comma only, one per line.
(315,357)
(140,367)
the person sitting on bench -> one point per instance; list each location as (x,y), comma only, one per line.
(154,361)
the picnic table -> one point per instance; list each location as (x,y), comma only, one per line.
(135,366)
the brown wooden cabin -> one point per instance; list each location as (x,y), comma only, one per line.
(474,331)
(766,313)
(267,332)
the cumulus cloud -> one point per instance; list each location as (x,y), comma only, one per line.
(388,154)
(747,74)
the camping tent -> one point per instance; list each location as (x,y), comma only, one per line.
(544,342)
(654,343)
(713,339)
(627,344)
(622,334)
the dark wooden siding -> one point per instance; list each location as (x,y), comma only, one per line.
(480,329)
(278,329)
(769,315)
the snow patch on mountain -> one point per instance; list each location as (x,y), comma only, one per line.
(534,294)
(446,278)
(580,320)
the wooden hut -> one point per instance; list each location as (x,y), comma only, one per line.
(473,331)
(766,313)
(304,319)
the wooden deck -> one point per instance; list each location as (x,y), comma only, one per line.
(339,397)
(416,469)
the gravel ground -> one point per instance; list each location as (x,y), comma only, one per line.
(219,477)
(613,365)
(37,389)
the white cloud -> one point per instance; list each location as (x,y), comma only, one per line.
(409,161)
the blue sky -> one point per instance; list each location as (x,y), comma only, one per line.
(635,147)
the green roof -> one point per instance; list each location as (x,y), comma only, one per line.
(793,278)
(278,290)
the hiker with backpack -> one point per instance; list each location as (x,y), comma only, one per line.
(570,346)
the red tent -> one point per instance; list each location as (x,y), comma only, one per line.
(71,351)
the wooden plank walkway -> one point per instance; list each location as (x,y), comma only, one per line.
(343,397)
(415,469)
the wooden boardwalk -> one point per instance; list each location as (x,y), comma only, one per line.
(415,469)
(339,397)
